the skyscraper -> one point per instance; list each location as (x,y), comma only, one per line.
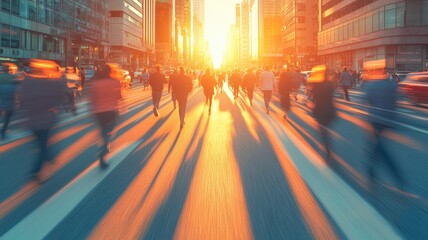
(270,35)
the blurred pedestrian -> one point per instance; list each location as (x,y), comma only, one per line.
(105,94)
(324,111)
(82,75)
(381,94)
(250,81)
(172,79)
(145,76)
(8,86)
(285,85)
(208,82)
(235,81)
(156,81)
(346,82)
(267,84)
(41,93)
(182,86)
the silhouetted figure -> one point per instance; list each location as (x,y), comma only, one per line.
(105,94)
(182,86)
(235,81)
(285,84)
(156,81)
(346,82)
(82,74)
(145,76)
(267,84)
(208,83)
(324,111)
(41,93)
(381,94)
(173,78)
(8,87)
(250,80)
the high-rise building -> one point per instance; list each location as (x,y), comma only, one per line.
(355,31)
(299,32)
(184,18)
(254,31)
(69,32)
(165,33)
(149,9)
(270,34)
(198,33)
(231,57)
(244,34)
(126,32)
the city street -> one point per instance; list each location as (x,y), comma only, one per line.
(237,173)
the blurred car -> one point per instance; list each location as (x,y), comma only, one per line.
(415,87)
(126,80)
(400,76)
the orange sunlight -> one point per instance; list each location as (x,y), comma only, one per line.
(219,15)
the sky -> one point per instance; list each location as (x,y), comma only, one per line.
(219,15)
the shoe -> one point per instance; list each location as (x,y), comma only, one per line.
(209,112)
(175,106)
(284,117)
(155,112)
(182,124)
(267,111)
(103,163)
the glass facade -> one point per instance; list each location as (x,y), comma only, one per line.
(61,21)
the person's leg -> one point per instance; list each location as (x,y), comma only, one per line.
(345,90)
(42,137)
(210,103)
(7,116)
(268,98)
(182,110)
(326,141)
(250,96)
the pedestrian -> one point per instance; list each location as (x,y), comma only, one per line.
(323,110)
(145,76)
(354,78)
(41,93)
(345,81)
(208,82)
(82,75)
(381,95)
(267,84)
(156,81)
(250,81)
(285,85)
(235,81)
(105,94)
(8,86)
(182,86)
(221,79)
(172,79)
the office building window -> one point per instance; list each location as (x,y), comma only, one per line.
(5,35)
(24,40)
(369,24)
(356,28)
(14,7)
(425,10)
(362,26)
(390,16)
(381,19)
(400,16)
(5,5)
(32,10)
(34,41)
(375,21)
(15,37)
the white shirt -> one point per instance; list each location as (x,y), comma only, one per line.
(267,81)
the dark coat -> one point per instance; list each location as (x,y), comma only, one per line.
(324,111)
(235,79)
(208,83)
(382,96)
(181,86)
(7,92)
(250,81)
(156,81)
(285,84)
(40,99)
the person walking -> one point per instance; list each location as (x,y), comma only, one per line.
(82,75)
(267,84)
(105,94)
(323,110)
(182,86)
(41,93)
(145,76)
(345,81)
(156,81)
(285,85)
(172,79)
(208,82)
(235,81)
(8,87)
(250,81)
(381,95)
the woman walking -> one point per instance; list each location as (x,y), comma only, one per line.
(106,93)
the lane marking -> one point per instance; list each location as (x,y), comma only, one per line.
(44,219)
